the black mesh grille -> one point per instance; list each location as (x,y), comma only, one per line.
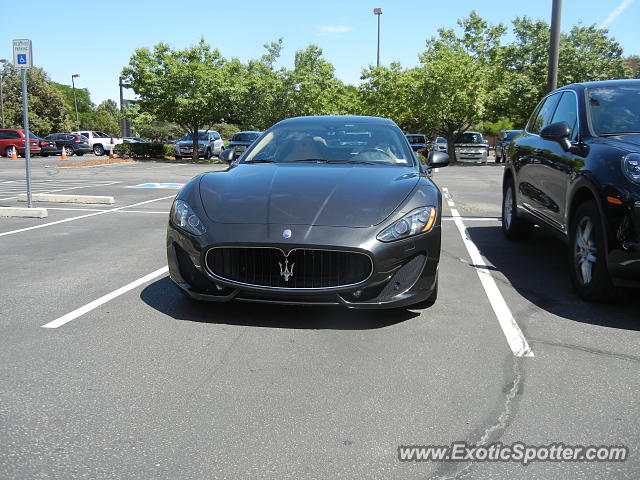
(302,268)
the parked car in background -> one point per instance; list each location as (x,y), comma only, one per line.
(502,142)
(100,142)
(242,140)
(71,143)
(134,140)
(418,142)
(47,147)
(439,144)
(471,147)
(576,171)
(209,144)
(11,138)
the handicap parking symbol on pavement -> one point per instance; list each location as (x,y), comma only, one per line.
(22,59)
(169,186)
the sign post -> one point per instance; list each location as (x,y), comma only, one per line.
(23,60)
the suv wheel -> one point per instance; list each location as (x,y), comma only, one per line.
(589,273)
(68,151)
(207,154)
(513,227)
(98,149)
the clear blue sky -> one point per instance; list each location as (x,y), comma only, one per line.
(101,45)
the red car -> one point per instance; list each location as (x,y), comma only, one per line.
(11,138)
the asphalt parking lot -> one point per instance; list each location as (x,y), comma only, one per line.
(130,379)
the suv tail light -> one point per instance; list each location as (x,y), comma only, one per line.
(77,140)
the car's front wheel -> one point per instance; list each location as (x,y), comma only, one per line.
(513,227)
(589,273)
(208,155)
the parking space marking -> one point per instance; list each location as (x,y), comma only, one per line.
(38,187)
(102,212)
(106,210)
(517,342)
(58,322)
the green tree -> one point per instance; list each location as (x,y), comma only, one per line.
(105,118)
(189,87)
(48,111)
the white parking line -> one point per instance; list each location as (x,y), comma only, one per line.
(102,212)
(166,212)
(58,322)
(515,337)
(62,189)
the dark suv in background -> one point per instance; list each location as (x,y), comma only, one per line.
(502,142)
(576,170)
(72,143)
(418,142)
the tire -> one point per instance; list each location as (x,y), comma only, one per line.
(79,154)
(587,256)
(178,157)
(98,150)
(68,151)
(207,154)
(44,154)
(513,227)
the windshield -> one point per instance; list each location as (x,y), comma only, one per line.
(189,136)
(471,137)
(614,110)
(441,140)
(332,142)
(416,139)
(244,137)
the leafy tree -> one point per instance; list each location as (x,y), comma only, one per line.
(189,87)
(48,111)
(105,118)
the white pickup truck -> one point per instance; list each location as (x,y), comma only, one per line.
(100,143)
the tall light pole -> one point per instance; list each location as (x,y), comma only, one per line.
(2,61)
(377,12)
(75,101)
(554,46)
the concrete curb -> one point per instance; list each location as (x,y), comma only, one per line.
(23,212)
(45,197)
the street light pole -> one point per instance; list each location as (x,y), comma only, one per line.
(377,12)
(75,101)
(2,61)
(554,46)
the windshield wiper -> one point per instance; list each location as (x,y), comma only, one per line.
(311,160)
(261,160)
(361,162)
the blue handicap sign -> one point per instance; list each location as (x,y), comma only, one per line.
(170,186)
(22,59)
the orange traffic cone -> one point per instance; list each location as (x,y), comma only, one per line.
(14,154)
(63,156)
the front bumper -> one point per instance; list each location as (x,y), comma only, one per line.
(404,272)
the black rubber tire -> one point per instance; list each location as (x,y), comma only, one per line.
(600,288)
(516,228)
(98,150)
(68,151)
(8,152)
(79,154)
(207,154)
(178,157)
(44,154)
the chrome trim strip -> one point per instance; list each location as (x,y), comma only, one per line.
(209,272)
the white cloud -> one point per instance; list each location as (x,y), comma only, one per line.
(616,12)
(337,28)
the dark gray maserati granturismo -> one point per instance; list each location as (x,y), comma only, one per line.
(327,210)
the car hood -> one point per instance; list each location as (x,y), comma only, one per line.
(630,141)
(303,194)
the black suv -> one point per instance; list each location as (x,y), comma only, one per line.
(72,143)
(502,142)
(576,170)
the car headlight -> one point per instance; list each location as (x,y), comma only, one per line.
(631,166)
(182,216)
(417,221)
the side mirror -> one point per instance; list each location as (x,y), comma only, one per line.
(558,132)
(227,155)
(437,159)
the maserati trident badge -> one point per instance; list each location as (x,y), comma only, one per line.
(287,272)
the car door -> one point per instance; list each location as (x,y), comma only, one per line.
(530,163)
(218,144)
(561,165)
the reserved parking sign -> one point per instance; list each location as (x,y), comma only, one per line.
(22,53)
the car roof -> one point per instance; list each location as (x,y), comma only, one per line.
(336,119)
(603,83)
(247,131)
